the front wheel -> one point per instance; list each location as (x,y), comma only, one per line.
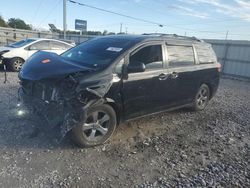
(202,98)
(98,127)
(15,64)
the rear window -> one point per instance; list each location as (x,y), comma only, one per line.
(205,54)
(21,43)
(179,56)
(54,45)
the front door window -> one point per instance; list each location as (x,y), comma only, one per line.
(150,56)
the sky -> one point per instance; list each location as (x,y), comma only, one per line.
(200,18)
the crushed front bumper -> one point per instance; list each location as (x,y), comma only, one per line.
(53,114)
(50,111)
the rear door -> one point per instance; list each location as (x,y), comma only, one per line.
(182,82)
(58,47)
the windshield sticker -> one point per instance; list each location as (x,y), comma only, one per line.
(114,49)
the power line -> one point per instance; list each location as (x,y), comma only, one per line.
(119,14)
(39,5)
(154,23)
(53,9)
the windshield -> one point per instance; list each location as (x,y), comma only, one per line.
(21,43)
(98,52)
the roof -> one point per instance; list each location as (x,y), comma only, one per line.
(63,41)
(156,36)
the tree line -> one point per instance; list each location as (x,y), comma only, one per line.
(18,23)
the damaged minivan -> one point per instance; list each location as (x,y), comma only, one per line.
(91,88)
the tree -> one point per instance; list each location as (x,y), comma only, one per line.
(105,32)
(18,24)
(2,22)
(111,33)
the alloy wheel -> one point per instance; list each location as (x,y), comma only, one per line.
(96,126)
(18,64)
(203,97)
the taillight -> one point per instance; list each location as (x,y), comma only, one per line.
(218,66)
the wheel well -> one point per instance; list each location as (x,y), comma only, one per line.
(19,58)
(8,60)
(210,89)
(116,109)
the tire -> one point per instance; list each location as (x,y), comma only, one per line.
(15,64)
(99,126)
(202,98)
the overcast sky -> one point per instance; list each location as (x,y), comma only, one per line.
(201,18)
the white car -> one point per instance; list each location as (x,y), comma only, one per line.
(14,55)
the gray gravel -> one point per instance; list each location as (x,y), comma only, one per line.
(176,149)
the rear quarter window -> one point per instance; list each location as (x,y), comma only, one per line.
(205,54)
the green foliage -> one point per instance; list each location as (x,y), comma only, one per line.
(111,33)
(18,24)
(105,32)
(2,22)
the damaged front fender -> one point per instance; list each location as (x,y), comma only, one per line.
(92,95)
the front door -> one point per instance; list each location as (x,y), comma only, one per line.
(40,45)
(142,89)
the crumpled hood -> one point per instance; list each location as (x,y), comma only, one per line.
(44,65)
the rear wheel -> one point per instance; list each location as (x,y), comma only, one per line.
(202,98)
(98,127)
(15,64)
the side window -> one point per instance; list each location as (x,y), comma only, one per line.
(54,45)
(66,46)
(205,54)
(42,45)
(151,56)
(179,56)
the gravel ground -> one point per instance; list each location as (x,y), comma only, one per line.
(176,149)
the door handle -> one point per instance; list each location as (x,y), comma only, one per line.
(163,76)
(174,75)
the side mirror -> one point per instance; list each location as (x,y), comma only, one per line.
(136,67)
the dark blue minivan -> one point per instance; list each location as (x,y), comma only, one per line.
(91,88)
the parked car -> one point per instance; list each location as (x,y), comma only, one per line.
(14,55)
(91,88)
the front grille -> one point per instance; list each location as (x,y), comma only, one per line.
(39,90)
(27,87)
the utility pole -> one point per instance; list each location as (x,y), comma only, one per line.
(225,53)
(121,28)
(64,18)
(226,35)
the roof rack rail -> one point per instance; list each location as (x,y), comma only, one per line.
(175,36)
